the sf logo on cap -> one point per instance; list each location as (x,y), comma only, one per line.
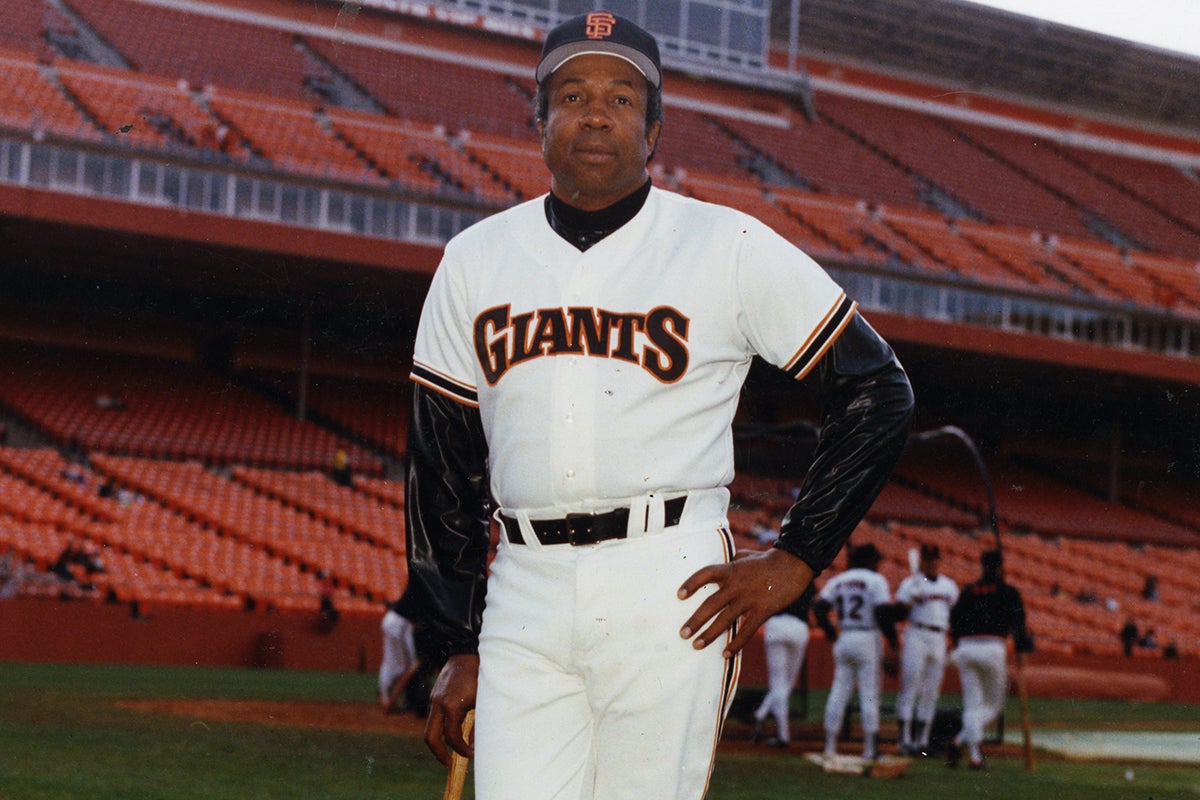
(600,25)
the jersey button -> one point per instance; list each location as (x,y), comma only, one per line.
(569,474)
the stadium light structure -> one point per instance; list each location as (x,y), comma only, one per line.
(805,430)
(954,432)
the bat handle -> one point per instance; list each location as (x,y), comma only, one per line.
(1026,723)
(458,764)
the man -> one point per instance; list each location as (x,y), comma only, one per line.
(988,611)
(857,595)
(785,638)
(400,661)
(578,364)
(924,599)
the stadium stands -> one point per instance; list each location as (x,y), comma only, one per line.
(463,96)
(145,111)
(29,101)
(219,51)
(160,408)
(222,495)
(370,572)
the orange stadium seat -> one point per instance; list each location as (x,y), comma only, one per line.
(291,136)
(830,160)
(30,102)
(166,409)
(220,51)
(464,97)
(1093,197)
(1161,186)
(252,517)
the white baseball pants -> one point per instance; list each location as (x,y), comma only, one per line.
(785,638)
(922,667)
(857,656)
(586,689)
(983,672)
(399,651)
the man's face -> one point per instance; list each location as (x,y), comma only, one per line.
(929,567)
(594,137)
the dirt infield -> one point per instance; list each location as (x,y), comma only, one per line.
(1069,681)
(1073,745)
(368,718)
(334,716)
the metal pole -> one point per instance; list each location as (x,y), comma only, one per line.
(794,37)
(958,433)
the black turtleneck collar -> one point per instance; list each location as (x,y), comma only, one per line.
(584,228)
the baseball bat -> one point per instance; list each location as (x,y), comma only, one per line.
(914,560)
(457,778)
(1026,724)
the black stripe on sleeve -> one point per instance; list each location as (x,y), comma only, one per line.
(822,338)
(443,384)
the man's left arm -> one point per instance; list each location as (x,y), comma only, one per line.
(867,407)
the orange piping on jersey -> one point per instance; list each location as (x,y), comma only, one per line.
(829,343)
(442,389)
(733,671)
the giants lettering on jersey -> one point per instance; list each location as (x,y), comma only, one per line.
(656,340)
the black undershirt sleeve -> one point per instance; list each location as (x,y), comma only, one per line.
(866,408)
(447,505)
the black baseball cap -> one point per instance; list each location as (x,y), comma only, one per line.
(865,555)
(601,32)
(930,551)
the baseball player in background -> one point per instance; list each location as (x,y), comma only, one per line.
(785,638)
(577,367)
(924,599)
(987,612)
(400,662)
(855,596)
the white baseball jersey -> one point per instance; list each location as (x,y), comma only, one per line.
(923,653)
(930,601)
(854,595)
(857,653)
(567,353)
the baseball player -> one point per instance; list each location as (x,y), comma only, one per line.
(785,638)
(855,595)
(577,367)
(925,600)
(400,661)
(986,613)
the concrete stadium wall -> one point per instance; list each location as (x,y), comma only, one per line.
(45,629)
(50,630)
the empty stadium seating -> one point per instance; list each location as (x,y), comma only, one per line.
(470,140)
(29,101)
(141,111)
(226,502)
(161,408)
(373,411)
(219,50)
(463,96)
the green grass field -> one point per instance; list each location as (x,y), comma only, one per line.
(64,736)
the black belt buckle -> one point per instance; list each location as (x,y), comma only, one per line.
(583,528)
